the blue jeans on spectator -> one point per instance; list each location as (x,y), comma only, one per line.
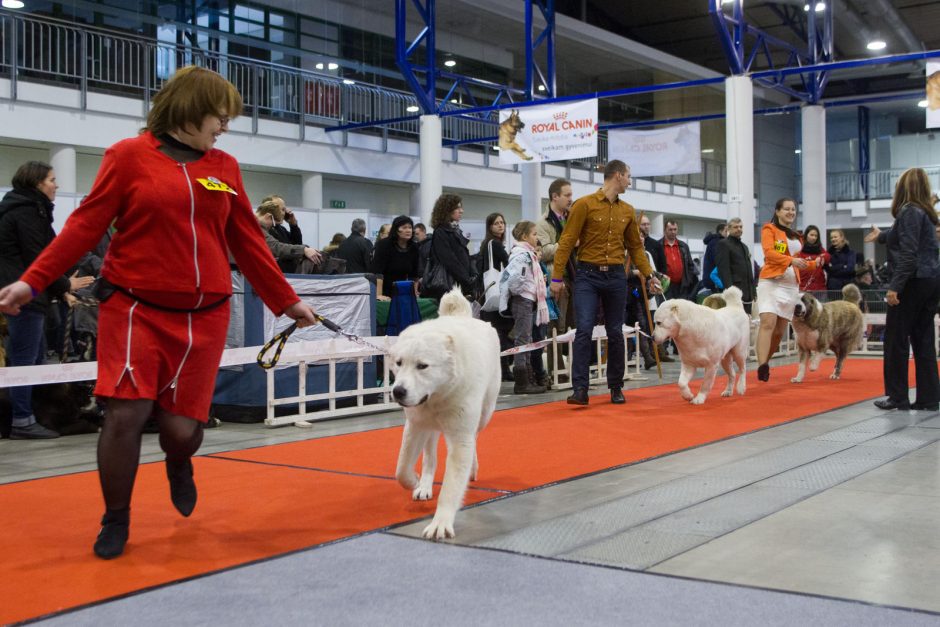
(27,344)
(610,288)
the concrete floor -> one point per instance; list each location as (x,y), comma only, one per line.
(844,504)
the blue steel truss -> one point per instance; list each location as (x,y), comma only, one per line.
(547,38)
(422,75)
(734,33)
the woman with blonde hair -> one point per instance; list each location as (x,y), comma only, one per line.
(178,206)
(778,289)
(913,294)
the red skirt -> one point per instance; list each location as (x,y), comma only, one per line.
(171,358)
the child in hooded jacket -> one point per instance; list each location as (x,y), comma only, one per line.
(522,295)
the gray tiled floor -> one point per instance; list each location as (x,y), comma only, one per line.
(873,537)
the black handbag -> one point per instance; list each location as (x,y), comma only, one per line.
(436,281)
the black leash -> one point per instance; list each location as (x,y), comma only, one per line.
(280,340)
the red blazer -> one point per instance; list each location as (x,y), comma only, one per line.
(175,225)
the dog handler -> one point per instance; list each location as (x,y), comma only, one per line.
(778,289)
(179,206)
(606,228)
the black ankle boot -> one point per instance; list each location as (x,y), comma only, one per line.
(182,486)
(522,384)
(115,526)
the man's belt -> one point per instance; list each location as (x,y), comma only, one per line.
(583,265)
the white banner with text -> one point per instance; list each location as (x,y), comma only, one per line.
(548,133)
(661,152)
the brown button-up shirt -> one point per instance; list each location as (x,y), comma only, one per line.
(605,229)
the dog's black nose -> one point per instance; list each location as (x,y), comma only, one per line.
(399,392)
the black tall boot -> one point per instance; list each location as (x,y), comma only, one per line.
(182,487)
(523,385)
(649,360)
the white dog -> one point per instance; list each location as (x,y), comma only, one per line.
(706,337)
(447,377)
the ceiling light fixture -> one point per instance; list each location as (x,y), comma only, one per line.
(797,151)
(878,44)
(319,66)
(922,104)
(346,81)
(541,87)
(450,63)
(13,4)
(820,6)
(412,109)
(332,66)
(707,151)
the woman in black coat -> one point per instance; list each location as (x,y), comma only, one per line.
(25,230)
(395,258)
(449,248)
(913,295)
(840,271)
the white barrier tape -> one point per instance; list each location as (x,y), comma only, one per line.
(311,352)
(599,333)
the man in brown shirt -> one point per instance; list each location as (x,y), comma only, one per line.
(606,228)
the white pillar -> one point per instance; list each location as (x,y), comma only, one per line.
(312,191)
(531,194)
(62,160)
(657,226)
(430,155)
(739,137)
(813,158)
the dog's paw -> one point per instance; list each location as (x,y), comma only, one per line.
(698,400)
(796,380)
(439,530)
(686,395)
(834,375)
(422,493)
(407,480)
(727,393)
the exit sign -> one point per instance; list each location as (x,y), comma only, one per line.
(337,204)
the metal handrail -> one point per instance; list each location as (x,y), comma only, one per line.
(100,60)
(872,185)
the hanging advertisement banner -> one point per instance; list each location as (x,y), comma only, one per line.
(933,94)
(548,133)
(671,150)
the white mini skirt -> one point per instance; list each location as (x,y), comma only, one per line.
(778,295)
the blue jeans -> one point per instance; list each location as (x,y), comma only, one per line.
(610,289)
(27,345)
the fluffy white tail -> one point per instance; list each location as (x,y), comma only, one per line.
(732,297)
(453,303)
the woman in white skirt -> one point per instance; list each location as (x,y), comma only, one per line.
(778,289)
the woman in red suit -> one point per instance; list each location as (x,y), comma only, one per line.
(178,206)
(813,280)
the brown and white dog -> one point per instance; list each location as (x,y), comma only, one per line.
(507,135)
(820,327)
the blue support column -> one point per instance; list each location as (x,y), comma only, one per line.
(864,150)
(424,90)
(547,37)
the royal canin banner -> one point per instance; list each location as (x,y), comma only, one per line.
(548,133)
(671,150)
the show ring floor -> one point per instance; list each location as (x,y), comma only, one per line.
(741,470)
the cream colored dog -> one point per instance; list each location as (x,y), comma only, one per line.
(706,338)
(447,377)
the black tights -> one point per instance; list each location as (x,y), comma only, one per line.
(119,445)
